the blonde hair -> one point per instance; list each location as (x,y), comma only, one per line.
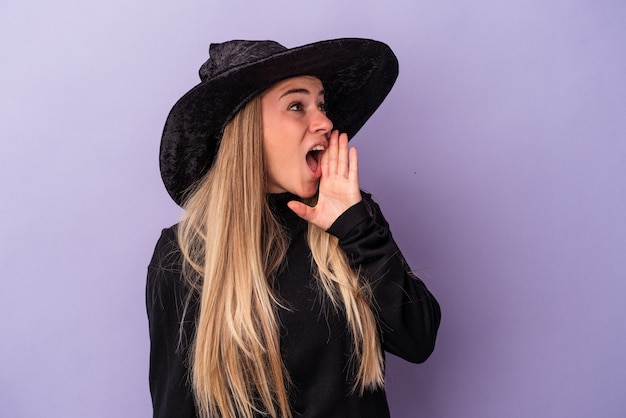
(232,245)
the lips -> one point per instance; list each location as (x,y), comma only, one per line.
(313,159)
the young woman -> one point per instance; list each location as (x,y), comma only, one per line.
(281,288)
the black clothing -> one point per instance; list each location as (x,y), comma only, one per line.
(314,338)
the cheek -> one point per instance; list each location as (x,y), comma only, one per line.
(279,145)
(271,149)
(276,157)
(280,159)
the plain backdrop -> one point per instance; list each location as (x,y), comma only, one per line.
(499,160)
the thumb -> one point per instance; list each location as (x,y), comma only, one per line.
(304,211)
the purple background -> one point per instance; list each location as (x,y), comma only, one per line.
(499,159)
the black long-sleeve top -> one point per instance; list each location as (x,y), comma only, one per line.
(314,338)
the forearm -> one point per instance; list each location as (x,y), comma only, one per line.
(408,313)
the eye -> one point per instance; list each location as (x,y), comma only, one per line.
(322,107)
(296,106)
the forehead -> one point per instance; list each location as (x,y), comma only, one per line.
(310,83)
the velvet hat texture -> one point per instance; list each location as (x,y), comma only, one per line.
(357,74)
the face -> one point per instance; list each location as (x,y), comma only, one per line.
(295,134)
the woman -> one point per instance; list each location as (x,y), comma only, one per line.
(281,287)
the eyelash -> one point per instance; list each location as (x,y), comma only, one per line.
(297,106)
(300,107)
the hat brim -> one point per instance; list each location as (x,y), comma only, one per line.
(357,75)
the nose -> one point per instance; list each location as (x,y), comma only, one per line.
(320,122)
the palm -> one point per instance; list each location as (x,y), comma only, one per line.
(339,184)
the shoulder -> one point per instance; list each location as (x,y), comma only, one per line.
(164,279)
(167,253)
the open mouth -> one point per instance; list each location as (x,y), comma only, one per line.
(313,157)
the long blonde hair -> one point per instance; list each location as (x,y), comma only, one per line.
(232,245)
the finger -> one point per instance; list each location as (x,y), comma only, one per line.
(354,166)
(332,152)
(304,211)
(342,156)
(324,158)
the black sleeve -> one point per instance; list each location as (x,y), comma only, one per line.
(165,295)
(408,313)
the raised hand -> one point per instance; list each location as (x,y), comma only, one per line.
(339,184)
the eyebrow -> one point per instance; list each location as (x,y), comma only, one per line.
(299,90)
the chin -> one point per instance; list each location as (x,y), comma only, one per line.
(307,193)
